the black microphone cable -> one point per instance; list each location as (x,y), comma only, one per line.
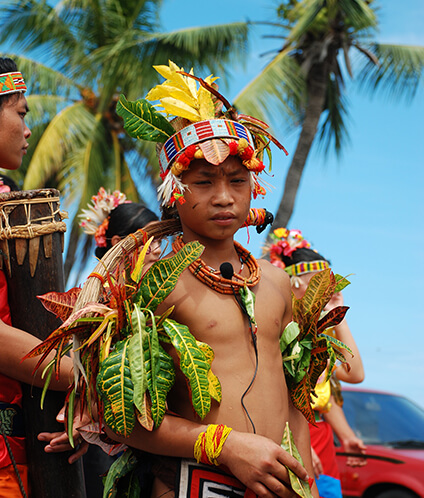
(227,271)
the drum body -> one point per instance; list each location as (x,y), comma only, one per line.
(31,245)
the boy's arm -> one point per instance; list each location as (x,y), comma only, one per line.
(300,429)
(256,461)
(14,345)
(344,432)
(356,373)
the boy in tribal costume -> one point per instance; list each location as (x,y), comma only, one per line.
(218,328)
(209,166)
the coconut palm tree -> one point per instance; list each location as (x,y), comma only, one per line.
(84,54)
(305,78)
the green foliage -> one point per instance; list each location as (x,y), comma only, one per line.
(117,390)
(135,352)
(193,364)
(301,488)
(123,368)
(142,121)
(121,476)
(160,379)
(306,350)
(162,277)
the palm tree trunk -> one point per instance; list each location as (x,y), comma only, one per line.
(316,92)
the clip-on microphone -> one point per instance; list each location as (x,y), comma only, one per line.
(227,272)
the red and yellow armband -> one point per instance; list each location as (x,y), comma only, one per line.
(209,444)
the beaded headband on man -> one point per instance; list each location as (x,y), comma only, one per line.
(95,219)
(12,83)
(200,129)
(285,243)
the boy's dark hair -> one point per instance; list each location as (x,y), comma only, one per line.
(7,66)
(123,220)
(9,182)
(301,255)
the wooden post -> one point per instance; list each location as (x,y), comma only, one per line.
(31,241)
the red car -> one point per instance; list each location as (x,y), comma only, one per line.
(392,427)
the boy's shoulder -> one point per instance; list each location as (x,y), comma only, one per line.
(273,271)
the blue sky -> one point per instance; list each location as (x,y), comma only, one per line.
(363,210)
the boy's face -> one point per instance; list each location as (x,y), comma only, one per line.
(217,199)
(13,132)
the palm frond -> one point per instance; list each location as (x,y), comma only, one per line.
(39,77)
(304,13)
(21,23)
(358,14)
(209,47)
(279,88)
(399,73)
(333,131)
(65,133)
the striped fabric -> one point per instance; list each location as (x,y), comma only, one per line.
(12,83)
(199,132)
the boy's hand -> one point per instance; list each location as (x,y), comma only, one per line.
(59,441)
(336,300)
(259,464)
(354,445)
(316,462)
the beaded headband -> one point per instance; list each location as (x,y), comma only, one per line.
(306,267)
(200,132)
(199,129)
(12,83)
(95,219)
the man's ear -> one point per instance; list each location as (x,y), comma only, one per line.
(115,239)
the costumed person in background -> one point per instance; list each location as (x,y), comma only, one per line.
(112,217)
(7,185)
(209,165)
(292,252)
(15,343)
(109,218)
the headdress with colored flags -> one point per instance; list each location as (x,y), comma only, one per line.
(12,83)
(198,128)
(95,219)
(285,243)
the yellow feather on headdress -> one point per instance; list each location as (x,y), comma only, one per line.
(179,95)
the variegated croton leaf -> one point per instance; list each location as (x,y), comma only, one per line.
(161,279)
(117,391)
(117,342)
(300,487)
(193,364)
(306,351)
(60,304)
(122,467)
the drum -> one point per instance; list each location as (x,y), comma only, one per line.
(31,244)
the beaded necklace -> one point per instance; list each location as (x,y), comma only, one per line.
(214,280)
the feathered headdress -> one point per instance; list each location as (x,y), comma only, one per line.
(199,128)
(95,219)
(286,242)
